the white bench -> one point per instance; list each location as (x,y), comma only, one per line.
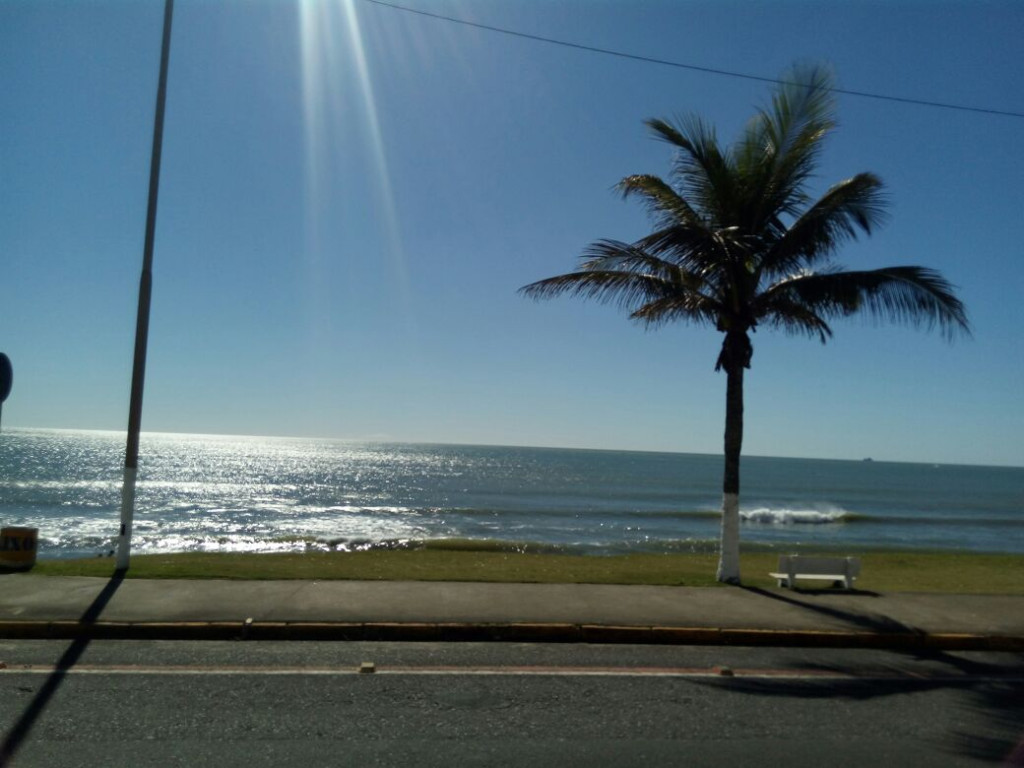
(835,569)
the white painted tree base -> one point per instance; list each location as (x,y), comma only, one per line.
(729,553)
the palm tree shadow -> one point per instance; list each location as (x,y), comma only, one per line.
(993,698)
(1001,704)
(995,689)
(863,621)
(20,731)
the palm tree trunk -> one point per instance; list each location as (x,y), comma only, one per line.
(729,553)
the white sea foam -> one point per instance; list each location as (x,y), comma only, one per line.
(785,516)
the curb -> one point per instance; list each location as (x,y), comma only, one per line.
(501,632)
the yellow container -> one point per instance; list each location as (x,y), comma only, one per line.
(18,548)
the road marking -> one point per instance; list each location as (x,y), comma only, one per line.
(915,678)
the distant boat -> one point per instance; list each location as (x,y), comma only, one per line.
(868,458)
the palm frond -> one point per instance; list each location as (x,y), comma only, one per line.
(612,271)
(670,134)
(794,318)
(914,296)
(661,201)
(685,306)
(781,145)
(617,256)
(802,112)
(633,279)
(851,206)
(693,248)
(627,290)
(702,172)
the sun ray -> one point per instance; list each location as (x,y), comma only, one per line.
(337,84)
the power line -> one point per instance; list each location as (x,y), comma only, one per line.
(691,67)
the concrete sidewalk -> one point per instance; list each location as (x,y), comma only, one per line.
(67,607)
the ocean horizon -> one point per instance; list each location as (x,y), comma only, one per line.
(264,494)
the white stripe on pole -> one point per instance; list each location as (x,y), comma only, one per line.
(127,510)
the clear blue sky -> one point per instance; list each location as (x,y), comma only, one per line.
(351,196)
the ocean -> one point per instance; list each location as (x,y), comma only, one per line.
(230,494)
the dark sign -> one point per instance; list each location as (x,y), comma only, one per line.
(6,376)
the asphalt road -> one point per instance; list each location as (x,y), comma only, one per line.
(281,704)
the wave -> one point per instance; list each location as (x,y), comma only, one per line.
(785,516)
(765,515)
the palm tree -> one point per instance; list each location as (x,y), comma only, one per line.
(739,243)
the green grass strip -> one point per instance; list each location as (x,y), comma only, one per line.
(881,571)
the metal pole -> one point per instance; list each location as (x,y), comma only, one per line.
(131,457)
(6,380)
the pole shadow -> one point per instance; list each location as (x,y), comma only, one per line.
(19,732)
